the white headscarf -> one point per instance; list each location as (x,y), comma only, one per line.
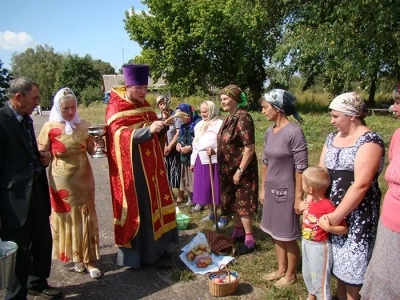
(55,113)
(213,114)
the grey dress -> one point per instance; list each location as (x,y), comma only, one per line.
(285,153)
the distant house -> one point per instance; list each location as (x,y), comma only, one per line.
(118,79)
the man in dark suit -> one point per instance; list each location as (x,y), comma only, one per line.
(24,193)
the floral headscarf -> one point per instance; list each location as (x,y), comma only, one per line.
(167,101)
(236,94)
(283,101)
(350,104)
(55,113)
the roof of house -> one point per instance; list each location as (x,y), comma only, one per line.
(118,79)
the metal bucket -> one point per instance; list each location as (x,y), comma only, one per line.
(8,256)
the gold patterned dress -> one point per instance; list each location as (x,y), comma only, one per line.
(73,219)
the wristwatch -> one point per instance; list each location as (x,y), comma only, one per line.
(241,170)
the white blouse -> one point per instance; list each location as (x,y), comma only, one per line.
(207,140)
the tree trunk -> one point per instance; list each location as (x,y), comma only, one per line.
(252,104)
(372,90)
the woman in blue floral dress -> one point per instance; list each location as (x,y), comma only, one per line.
(354,157)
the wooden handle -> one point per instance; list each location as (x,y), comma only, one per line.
(182,115)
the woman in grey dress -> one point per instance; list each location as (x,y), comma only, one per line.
(284,160)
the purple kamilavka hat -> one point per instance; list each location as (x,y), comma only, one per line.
(136,74)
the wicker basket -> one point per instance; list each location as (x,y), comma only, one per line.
(222,289)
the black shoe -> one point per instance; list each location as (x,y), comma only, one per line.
(240,239)
(48,293)
(243,249)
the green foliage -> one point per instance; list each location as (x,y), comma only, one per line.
(78,73)
(195,44)
(104,68)
(91,94)
(40,64)
(5,78)
(342,42)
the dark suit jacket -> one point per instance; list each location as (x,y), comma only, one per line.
(16,172)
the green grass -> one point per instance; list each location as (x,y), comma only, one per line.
(316,127)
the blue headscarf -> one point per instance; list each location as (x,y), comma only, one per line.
(193,118)
(186,132)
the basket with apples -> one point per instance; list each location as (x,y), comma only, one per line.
(223,282)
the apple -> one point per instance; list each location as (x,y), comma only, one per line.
(190,256)
(217,280)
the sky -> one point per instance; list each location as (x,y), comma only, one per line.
(82,27)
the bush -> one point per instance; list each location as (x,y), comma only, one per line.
(91,95)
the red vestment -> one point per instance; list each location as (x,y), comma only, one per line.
(123,117)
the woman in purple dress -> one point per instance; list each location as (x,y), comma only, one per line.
(237,167)
(284,160)
(205,140)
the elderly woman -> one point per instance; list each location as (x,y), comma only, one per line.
(73,219)
(381,280)
(284,160)
(204,148)
(185,148)
(354,157)
(237,166)
(171,156)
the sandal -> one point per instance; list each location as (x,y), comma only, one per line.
(283,282)
(179,200)
(93,272)
(273,276)
(79,267)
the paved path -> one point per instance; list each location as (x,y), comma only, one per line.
(149,282)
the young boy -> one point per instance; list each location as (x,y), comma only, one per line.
(316,247)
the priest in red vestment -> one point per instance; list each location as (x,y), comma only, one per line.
(143,206)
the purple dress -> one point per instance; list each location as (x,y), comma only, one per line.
(285,153)
(202,192)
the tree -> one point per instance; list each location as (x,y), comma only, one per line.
(78,73)
(194,44)
(40,64)
(344,41)
(103,67)
(5,78)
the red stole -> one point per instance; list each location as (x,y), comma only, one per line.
(123,117)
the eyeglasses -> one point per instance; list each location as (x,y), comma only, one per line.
(142,88)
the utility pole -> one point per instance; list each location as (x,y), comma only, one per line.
(123,53)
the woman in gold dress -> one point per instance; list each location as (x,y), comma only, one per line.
(73,219)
